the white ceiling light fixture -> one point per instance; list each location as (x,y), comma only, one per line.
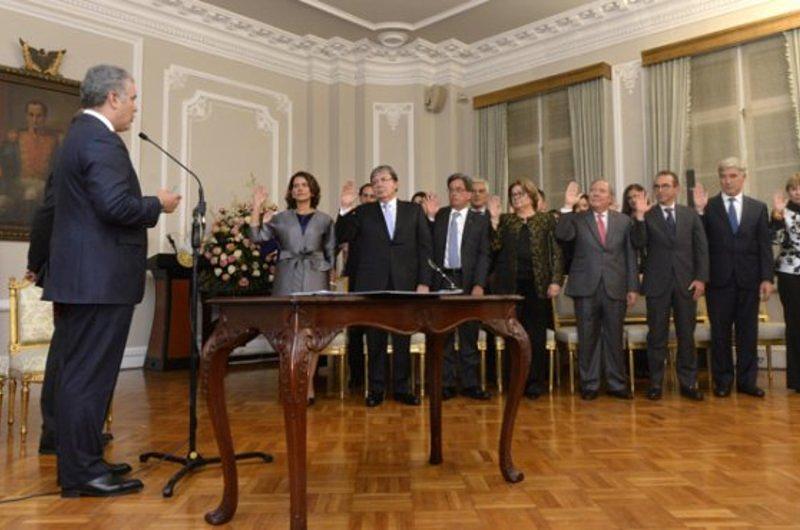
(393,39)
(390,25)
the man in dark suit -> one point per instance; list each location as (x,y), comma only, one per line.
(461,251)
(602,278)
(356,334)
(675,274)
(741,263)
(394,246)
(95,275)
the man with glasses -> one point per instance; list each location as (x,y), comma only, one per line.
(675,275)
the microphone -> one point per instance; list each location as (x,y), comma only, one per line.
(441,273)
(199,212)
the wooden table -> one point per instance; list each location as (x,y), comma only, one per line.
(297,325)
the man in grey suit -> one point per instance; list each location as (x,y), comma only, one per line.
(602,278)
(675,275)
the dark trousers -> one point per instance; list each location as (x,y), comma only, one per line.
(732,307)
(355,354)
(677,301)
(789,291)
(47,400)
(534,313)
(377,342)
(88,358)
(600,321)
(461,364)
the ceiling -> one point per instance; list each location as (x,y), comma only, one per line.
(434,20)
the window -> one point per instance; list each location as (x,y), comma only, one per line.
(741,107)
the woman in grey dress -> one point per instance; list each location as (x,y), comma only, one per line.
(306,241)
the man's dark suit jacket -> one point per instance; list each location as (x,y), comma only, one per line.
(682,257)
(745,257)
(98,246)
(474,248)
(41,230)
(402,260)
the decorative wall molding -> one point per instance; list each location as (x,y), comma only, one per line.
(628,74)
(392,113)
(215,30)
(176,78)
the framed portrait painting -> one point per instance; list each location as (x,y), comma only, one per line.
(35,112)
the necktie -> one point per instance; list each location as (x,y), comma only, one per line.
(453,254)
(670,220)
(732,219)
(389,218)
(601,229)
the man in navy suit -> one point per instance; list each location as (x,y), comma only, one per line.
(95,275)
(741,265)
(394,246)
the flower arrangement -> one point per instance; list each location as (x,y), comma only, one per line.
(231,263)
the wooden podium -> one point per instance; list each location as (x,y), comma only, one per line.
(169,344)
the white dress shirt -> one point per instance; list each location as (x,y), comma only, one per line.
(390,209)
(737,204)
(100,117)
(462,218)
(674,211)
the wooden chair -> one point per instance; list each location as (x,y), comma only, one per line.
(499,347)
(635,334)
(770,333)
(3,378)
(31,327)
(336,352)
(565,332)
(417,348)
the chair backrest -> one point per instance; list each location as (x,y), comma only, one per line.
(30,319)
(563,309)
(637,313)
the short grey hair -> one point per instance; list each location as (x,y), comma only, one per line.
(477,180)
(598,180)
(99,81)
(731,163)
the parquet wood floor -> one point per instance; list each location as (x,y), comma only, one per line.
(723,463)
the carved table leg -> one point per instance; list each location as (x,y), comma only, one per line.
(213,366)
(519,348)
(434,354)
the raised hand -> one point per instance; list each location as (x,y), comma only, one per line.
(430,205)
(572,194)
(494,206)
(779,202)
(640,206)
(260,196)
(700,197)
(347,199)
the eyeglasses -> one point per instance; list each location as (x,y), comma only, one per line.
(518,194)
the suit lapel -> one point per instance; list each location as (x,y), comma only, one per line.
(661,222)
(722,211)
(382,221)
(589,217)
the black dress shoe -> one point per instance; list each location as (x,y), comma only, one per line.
(407,399)
(107,485)
(532,394)
(691,393)
(448,392)
(654,393)
(118,469)
(751,391)
(623,393)
(722,391)
(374,399)
(589,395)
(474,392)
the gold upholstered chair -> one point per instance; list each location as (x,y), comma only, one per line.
(31,326)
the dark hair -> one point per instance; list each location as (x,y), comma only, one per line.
(667,172)
(36,102)
(463,178)
(312,185)
(626,208)
(421,194)
(363,187)
(528,187)
(383,168)
(541,194)
(582,196)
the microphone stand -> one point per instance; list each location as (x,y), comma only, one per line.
(440,272)
(193,459)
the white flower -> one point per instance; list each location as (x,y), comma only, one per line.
(231,269)
(256,273)
(244,267)
(217,271)
(256,253)
(237,253)
(223,256)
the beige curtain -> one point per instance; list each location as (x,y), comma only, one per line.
(668,105)
(492,147)
(586,112)
(793,56)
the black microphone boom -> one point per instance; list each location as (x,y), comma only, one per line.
(201,202)
(441,273)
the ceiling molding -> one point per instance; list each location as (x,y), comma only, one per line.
(378,26)
(217,31)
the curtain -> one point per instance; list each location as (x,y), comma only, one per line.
(669,102)
(492,147)
(793,56)
(586,111)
